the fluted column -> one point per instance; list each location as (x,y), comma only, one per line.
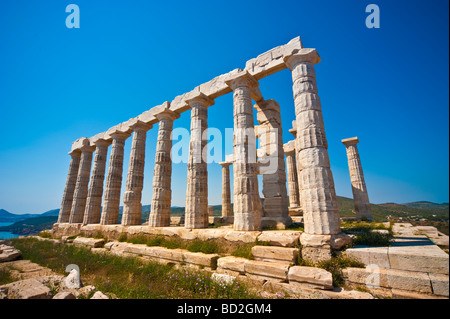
(81,187)
(94,198)
(359,189)
(66,203)
(226,191)
(294,198)
(132,206)
(317,193)
(111,200)
(272,166)
(196,214)
(162,176)
(247,203)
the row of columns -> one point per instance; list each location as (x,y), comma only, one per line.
(310,180)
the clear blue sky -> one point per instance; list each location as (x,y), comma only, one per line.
(388,86)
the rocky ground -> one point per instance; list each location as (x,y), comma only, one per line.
(33,281)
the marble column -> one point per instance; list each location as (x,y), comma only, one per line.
(162,176)
(196,214)
(81,187)
(132,206)
(359,189)
(272,165)
(111,200)
(317,193)
(94,198)
(226,190)
(294,198)
(66,203)
(247,203)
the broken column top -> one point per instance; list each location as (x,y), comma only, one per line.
(289,147)
(350,141)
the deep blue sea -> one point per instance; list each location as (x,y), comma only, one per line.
(7,234)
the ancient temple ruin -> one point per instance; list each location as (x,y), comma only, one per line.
(309,178)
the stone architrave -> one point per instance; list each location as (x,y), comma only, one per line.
(359,189)
(81,188)
(317,193)
(132,206)
(247,203)
(66,203)
(196,214)
(111,200)
(226,190)
(94,199)
(162,177)
(272,165)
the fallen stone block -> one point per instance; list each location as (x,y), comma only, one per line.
(267,270)
(201,259)
(64,295)
(99,295)
(8,253)
(243,236)
(232,264)
(418,253)
(439,283)
(281,238)
(28,289)
(89,242)
(275,254)
(370,255)
(311,277)
(389,278)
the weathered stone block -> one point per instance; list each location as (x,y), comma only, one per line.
(89,242)
(267,270)
(310,277)
(439,282)
(234,264)
(275,254)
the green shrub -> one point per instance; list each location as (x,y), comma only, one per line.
(243,250)
(335,266)
(370,238)
(206,247)
(5,276)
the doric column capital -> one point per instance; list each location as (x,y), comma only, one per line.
(199,98)
(289,148)
(102,142)
(302,56)
(167,114)
(241,79)
(140,126)
(75,153)
(120,135)
(350,141)
(225,164)
(87,148)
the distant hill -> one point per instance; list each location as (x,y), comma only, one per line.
(7,217)
(425,204)
(31,226)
